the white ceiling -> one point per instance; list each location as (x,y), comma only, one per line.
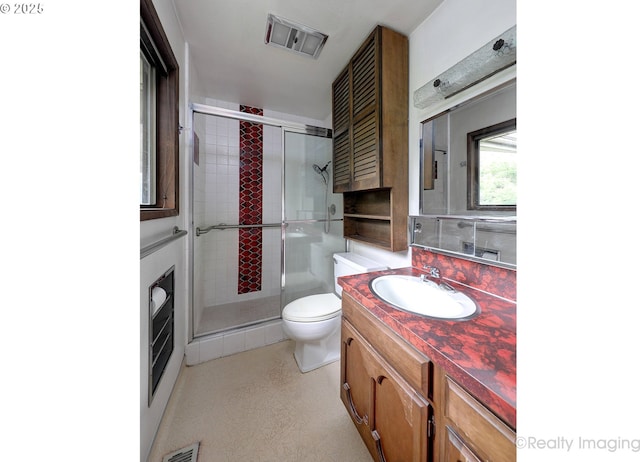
(226,41)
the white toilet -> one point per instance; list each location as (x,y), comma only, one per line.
(313,322)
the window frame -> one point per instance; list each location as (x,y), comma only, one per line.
(473,165)
(155,44)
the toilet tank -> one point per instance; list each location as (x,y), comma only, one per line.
(347,263)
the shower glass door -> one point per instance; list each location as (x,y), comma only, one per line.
(312,217)
(237,217)
(265,220)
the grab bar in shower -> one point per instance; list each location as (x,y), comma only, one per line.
(200,231)
(148,250)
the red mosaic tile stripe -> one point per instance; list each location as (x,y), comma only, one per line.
(250,204)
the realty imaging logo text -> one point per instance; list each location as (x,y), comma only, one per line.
(569,444)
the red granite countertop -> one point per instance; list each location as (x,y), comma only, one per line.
(479,354)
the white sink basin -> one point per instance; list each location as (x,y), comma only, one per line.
(424,297)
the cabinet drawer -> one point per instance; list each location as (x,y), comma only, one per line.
(478,426)
(413,366)
(456,450)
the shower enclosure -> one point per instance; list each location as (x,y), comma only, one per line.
(265,221)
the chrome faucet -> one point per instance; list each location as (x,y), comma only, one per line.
(433,271)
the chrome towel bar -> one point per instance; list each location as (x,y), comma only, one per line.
(487,229)
(200,231)
(148,250)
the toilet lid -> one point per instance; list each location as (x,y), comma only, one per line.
(312,308)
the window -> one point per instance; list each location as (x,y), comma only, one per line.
(492,167)
(158,119)
(147,133)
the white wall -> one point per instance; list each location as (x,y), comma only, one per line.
(175,254)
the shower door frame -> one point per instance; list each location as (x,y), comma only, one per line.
(285,126)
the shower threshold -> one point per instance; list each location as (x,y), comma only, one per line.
(231,316)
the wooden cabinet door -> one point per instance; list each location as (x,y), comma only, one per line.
(365,116)
(342,148)
(355,375)
(356,121)
(399,419)
(389,415)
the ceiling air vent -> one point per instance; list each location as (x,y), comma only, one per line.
(300,39)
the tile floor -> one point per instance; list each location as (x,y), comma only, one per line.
(257,406)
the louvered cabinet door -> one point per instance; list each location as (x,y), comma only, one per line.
(342,132)
(366,162)
(356,150)
(365,92)
(366,172)
(366,135)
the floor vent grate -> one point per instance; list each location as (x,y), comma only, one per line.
(188,454)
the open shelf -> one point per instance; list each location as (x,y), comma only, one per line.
(368,218)
(373,203)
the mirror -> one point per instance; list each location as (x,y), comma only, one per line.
(468,177)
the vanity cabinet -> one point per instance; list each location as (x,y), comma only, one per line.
(394,419)
(370,139)
(405,407)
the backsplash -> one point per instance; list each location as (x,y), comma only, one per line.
(492,279)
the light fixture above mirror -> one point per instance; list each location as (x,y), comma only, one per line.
(488,60)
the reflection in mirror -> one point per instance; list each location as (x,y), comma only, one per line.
(445,154)
(488,239)
(491,167)
(468,178)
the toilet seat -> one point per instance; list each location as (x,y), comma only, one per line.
(313,308)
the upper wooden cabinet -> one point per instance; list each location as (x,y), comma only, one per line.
(370,140)
(370,115)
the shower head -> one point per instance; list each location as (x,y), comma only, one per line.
(321,171)
(317,168)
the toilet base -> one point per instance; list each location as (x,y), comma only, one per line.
(312,355)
